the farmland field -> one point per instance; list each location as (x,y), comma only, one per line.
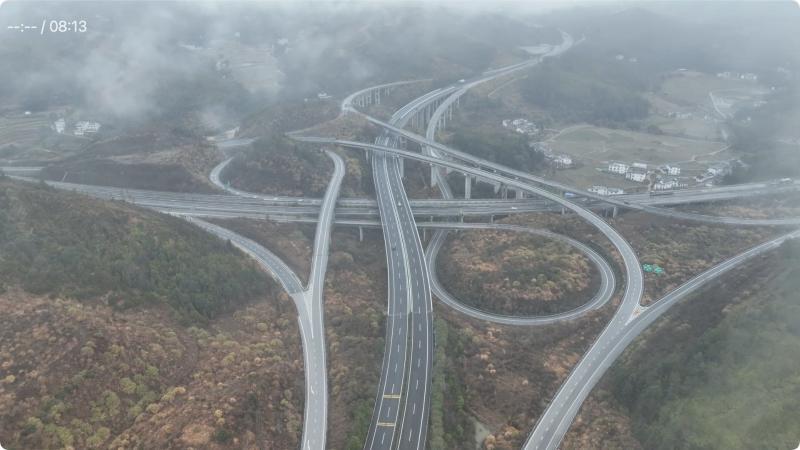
(692,88)
(29,137)
(595,146)
(22,130)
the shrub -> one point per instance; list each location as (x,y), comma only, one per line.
(127,385)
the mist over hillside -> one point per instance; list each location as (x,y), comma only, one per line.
(146,61)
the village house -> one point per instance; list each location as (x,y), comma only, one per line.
(83,128)
(618,167)
(719,169)
(60,125)
(562,161)
(606,191)
(665,185)
(668,169)
(636,174)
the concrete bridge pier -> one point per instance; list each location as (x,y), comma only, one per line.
(467,186)
(519,194)
(504,192)
(614,212)
(563,211)
(360,234)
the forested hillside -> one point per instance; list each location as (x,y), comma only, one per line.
(277,165)
(575,95)
(67,245)
(515,273)
(499,146)
(720,371)
(123,328)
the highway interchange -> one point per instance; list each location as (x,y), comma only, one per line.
(243,204)
(401,407)
(401,411)
(309,303)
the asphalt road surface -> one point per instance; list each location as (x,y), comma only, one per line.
(400,416)
(245,204)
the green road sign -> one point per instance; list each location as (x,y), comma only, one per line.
(652,268)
